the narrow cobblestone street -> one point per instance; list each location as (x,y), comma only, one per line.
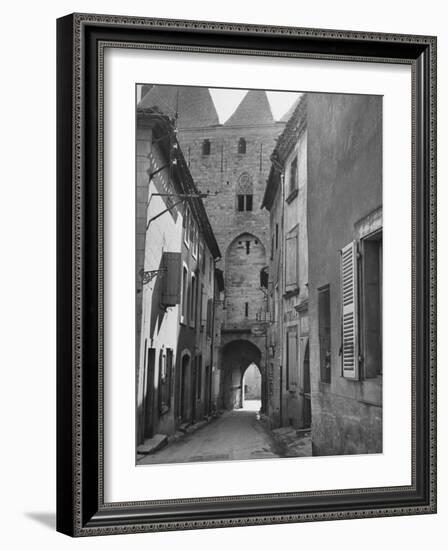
(235,435)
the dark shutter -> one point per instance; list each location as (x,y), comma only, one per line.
(293,367)
(171,262)
(349,297)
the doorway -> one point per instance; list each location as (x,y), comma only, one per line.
(184,387)
(306,387)
(149,398)
(251,388)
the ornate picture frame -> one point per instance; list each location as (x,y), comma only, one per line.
(81,506)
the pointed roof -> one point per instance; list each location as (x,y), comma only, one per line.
(253,110)
(194,104)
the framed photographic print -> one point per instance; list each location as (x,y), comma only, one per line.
(246,274)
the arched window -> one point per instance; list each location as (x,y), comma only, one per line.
(242,146)
(206,147)
(244,193)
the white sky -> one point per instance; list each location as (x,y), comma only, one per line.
(227,100)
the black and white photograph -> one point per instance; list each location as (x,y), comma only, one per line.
(258,274)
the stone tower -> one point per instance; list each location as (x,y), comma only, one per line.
(233,161)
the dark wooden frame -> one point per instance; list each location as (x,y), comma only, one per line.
(81,510)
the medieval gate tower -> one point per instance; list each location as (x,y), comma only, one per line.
(233,161)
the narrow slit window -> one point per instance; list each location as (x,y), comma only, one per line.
(206,148)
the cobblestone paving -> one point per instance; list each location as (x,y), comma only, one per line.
(235,435)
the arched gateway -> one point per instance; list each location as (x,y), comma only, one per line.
(237,356)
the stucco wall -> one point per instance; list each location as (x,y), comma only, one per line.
(344,185)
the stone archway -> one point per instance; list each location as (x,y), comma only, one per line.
(237,355)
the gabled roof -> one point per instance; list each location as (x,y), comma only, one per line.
(194,104)
(254,110)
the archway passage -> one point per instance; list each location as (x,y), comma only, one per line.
(251,387)
(237,357)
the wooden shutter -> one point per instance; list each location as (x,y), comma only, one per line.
(293,367)
(349,298)
(171,262)
(291,263)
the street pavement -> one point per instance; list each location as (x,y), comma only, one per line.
(235,435)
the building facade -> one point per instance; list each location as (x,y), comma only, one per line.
(345,271)
(287,285)
(176,283)
(231,162)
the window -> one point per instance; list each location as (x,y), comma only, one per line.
(292,365)
(244,193)
(276,236)
(244,203)
(186,224)
(291,261)
(206,148)
(272,247)
(372,305)
(293,176)
(323,300)
(184,295)
(242,146)
(192,231)
(247,247)
(246,309)
(193,301)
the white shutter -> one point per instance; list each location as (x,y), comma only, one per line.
(349,298)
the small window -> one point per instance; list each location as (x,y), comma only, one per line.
(184,294)
(293,175)
(276,236)
(323,301)
(206,148)
(244,203)
(247,247)
(246,309)
(193,297)
(242,146)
